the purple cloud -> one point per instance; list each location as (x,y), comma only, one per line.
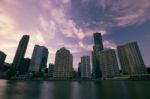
(69,23)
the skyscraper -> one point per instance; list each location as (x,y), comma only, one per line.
(85,67)
(25,66)
(63,64)
(2,59)
(39,59)
(108,64)
(20,53)
(98,46)
(130,59)
(98,42)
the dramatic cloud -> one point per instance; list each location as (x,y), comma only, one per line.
(69,23)
(103,14)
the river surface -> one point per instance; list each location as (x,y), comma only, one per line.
(74,90)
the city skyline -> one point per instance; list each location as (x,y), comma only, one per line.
(105,63)
(73,27)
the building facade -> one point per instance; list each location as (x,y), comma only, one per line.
(98,46)
(25,66)
(85,68)
(108,64)
(39,59)
(20,53)
(51,70)
(63,64)
(131,59)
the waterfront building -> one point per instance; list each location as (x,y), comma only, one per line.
(51,70)
(131,59)
(79,70)
(63,64)
(6,66)
(85,68)
(108,64)
(39,59)
(25,66)
(20,53)
(98,46)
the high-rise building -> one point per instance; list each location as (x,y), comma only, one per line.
(98,42)
(25,66)
(108,63)
(63,64)
(51,70)
(39,59)
(98,46)
(20,53)
(131,59)
(2,59)
(85,67)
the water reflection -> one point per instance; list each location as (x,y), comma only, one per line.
(74,90)
(22,90)
(2,87)
(62,90)
(81,90)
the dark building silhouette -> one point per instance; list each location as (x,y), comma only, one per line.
(25,66)
(79,70)
(5,67)
(20,53)
(148,70)
(98,46)
(51,70)
(75,74)
(46,70)
(2,59)
(131,59)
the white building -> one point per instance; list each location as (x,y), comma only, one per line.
(85,67)
(63,64)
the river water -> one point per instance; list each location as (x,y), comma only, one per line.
(74,90)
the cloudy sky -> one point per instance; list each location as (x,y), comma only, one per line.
(71,23)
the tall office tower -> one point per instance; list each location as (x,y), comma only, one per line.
(130,59)
(98,41)
(39,59)
(108,63)
(98,46)
(51,70)
(2,59)
(85,67)
(20,53)
(63,64)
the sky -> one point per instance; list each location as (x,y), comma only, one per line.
(71,24)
